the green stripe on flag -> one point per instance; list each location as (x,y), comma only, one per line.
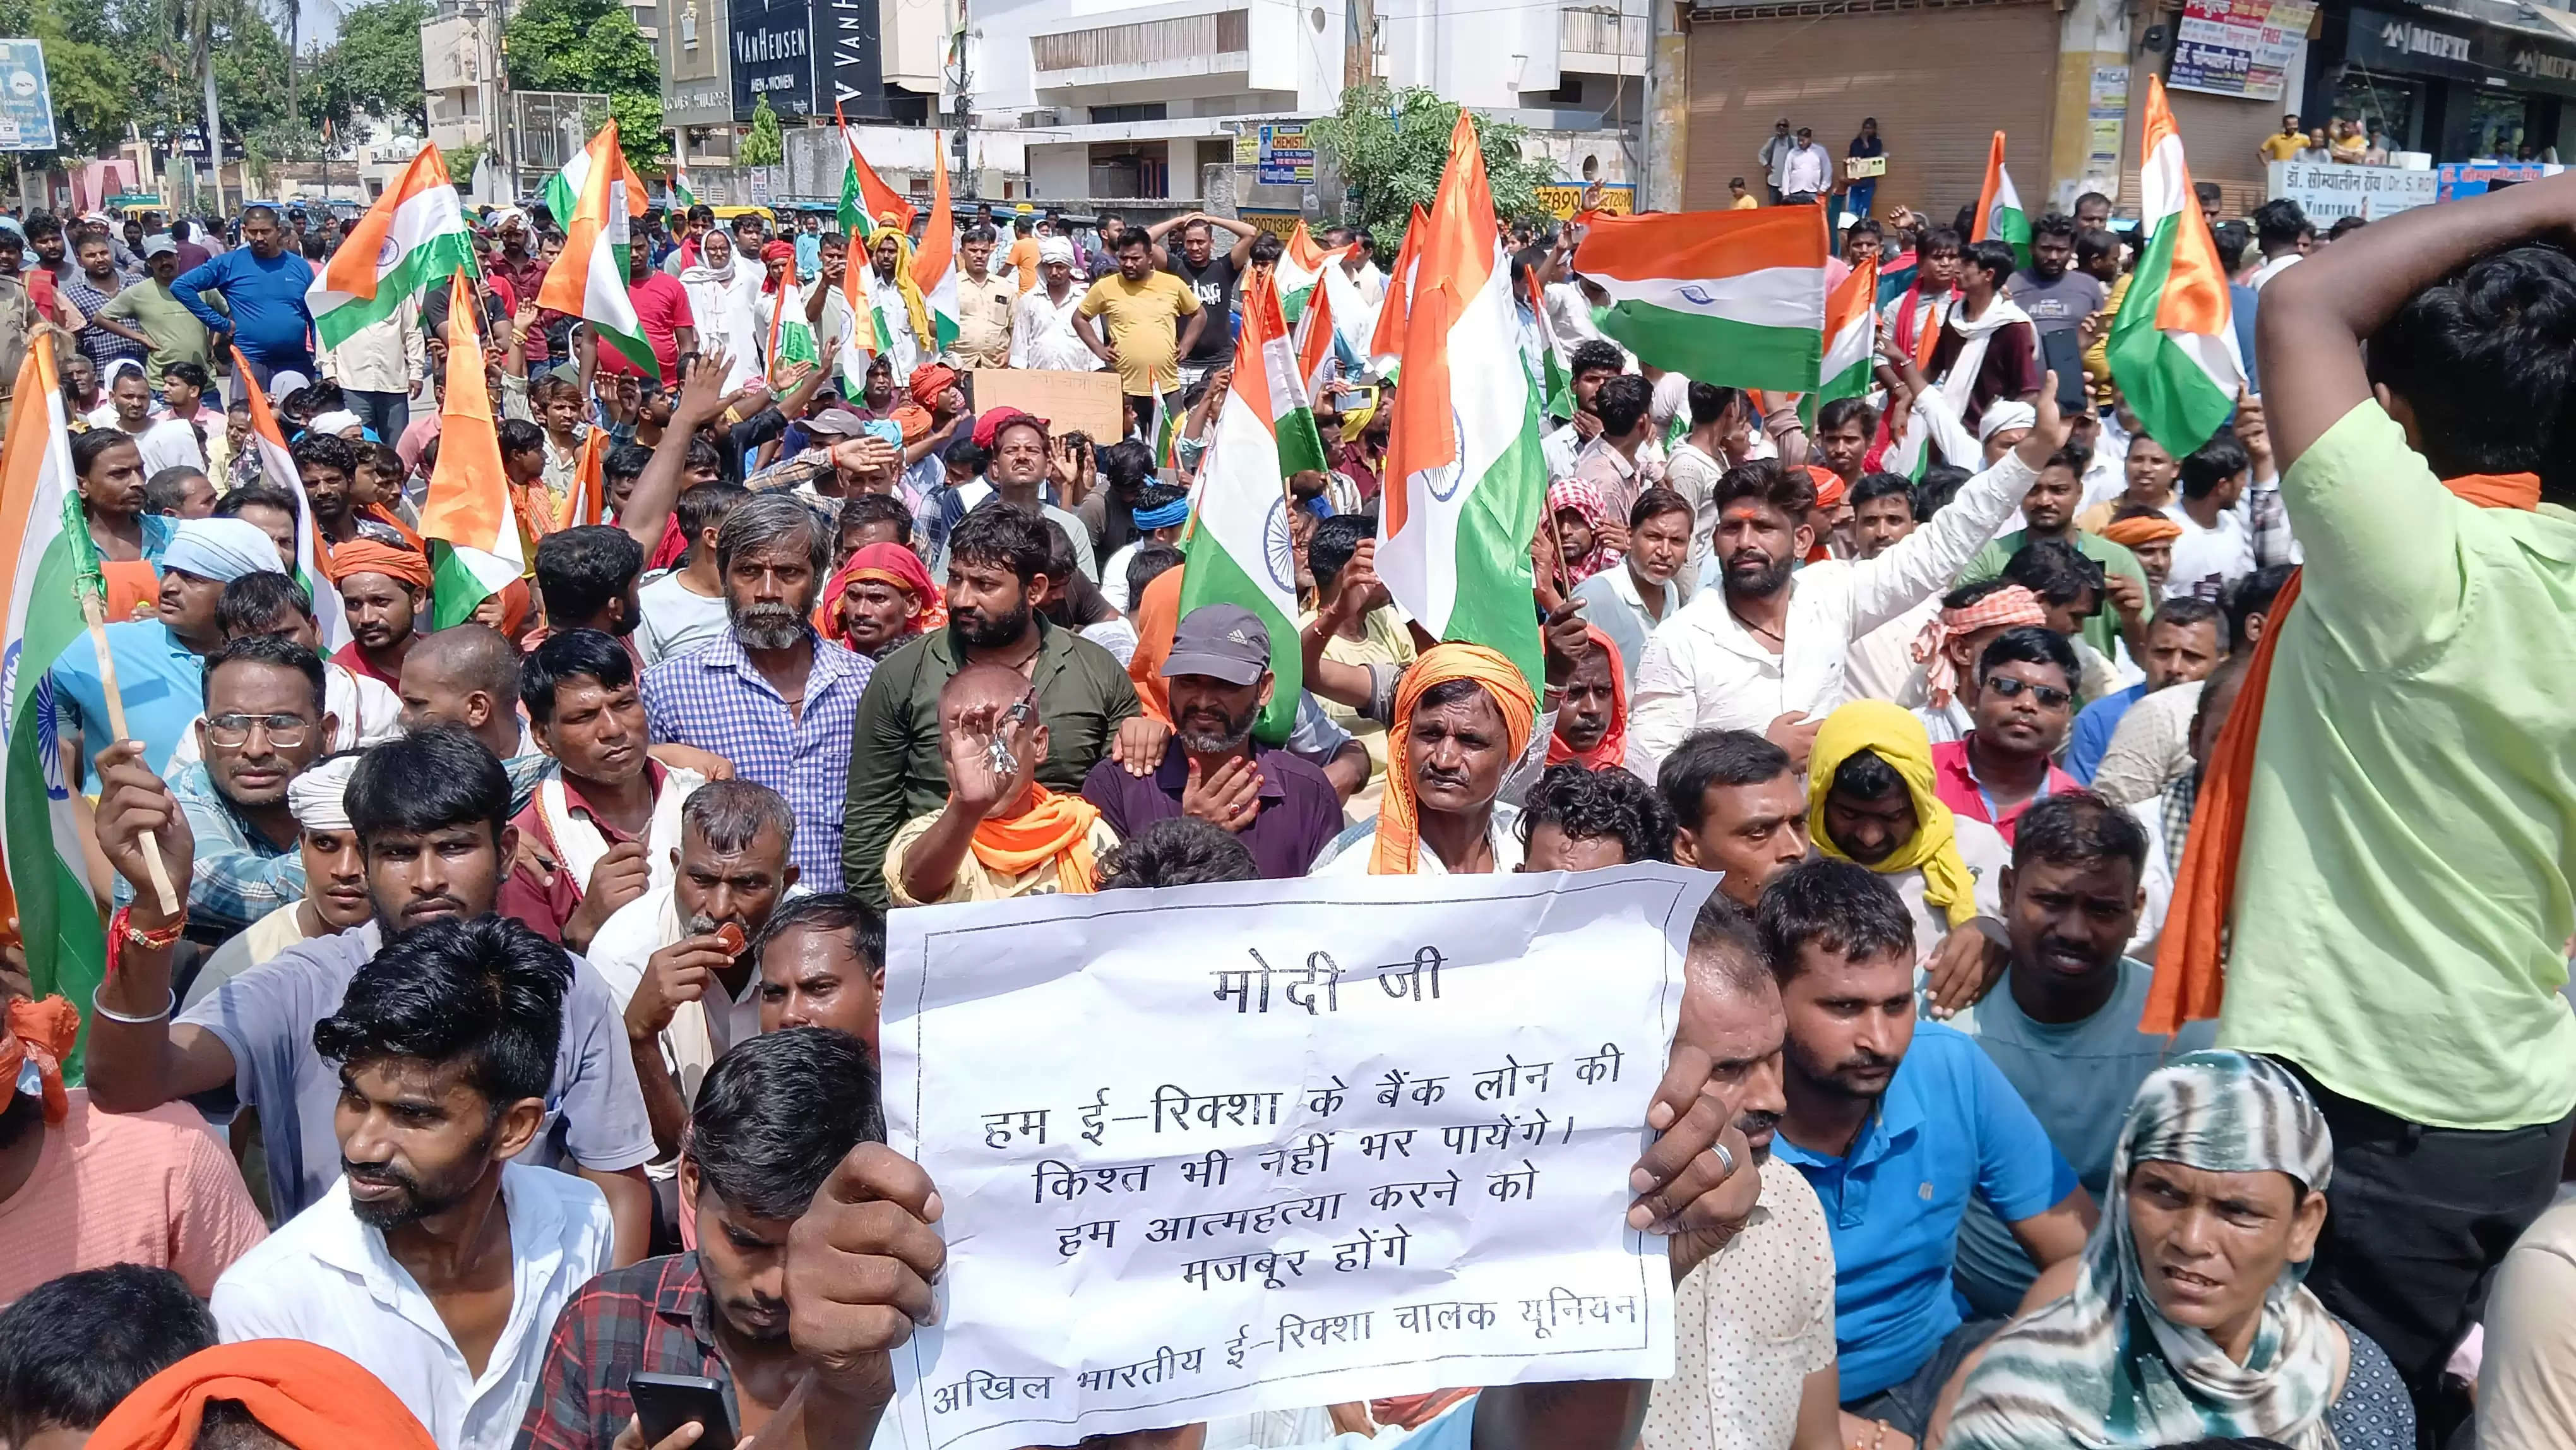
(1716,350)
(66,946)
(2012,228)
(1493,559)
(434,261)
(1301,444)
(1212,575)
(1852,382)
(460,579)
(2175,400)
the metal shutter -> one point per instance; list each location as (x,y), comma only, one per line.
(2219,137)
(1940,78)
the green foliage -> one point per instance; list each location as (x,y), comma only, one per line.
(639,129)
(460,162)
(1391,146)
(764,146)
(93,89)
(579,45)
(374,66)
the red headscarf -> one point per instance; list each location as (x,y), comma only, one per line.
(304,1394)
(777,252)
(371,556)
(893,564)
(930,380)
(1613,749)
(1584,498)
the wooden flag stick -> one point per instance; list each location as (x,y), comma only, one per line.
(94,610)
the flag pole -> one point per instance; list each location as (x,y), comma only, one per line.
(92,587)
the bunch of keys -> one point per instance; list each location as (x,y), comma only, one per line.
(1005,765)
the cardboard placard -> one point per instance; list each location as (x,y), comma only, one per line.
(1862,168)
(1068,401)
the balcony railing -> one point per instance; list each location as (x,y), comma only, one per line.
(1592,31)
(1184,38)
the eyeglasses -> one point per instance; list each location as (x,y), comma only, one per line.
(233,731)
(2049,696)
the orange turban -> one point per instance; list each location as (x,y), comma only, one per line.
(44,1033)
(367,556)
(1399,832)
(2130,533)
(310,1397)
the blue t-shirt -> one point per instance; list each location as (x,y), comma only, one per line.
(2094,724)
(269,319)
(1948,1127)
(161,681)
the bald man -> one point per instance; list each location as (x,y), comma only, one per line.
(931,859)
(466,675)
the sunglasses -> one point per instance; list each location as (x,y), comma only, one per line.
(2049,696)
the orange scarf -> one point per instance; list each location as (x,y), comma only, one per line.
(1156,616)
(2191,974)
(1398,849)
(1054,828)
(1613,749)
(44,1032)
(304,1394)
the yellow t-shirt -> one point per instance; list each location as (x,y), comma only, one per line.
(1144,328)
(2283,147)
(975,880)
(1746,202)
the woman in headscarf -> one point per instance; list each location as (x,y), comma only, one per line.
(898,301)
(1464,715)
(1591,536)
(721,291)
(879,601)
(2187,1317)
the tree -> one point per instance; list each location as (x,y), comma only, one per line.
(764,146)
(1392,146)
(375,66)
(593,45)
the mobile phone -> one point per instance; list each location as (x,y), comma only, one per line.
(665,1402)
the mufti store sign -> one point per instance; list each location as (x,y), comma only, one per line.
(2328,192)
(2427,45)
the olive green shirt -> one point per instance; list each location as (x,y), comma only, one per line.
(2404,903)
(898,769)
(2102,631)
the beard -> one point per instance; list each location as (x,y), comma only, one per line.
(981,630)
(1198,738)
(766,626)
(1756,576)
(1855,1077)
(417,1201)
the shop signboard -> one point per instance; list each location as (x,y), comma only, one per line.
(26,100)
(2457,179)
(2329,191)
(1565,198)
(2417,44)
(1287,157)
(773,56)
(2241,48)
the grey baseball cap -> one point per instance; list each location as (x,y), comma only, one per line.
(1222,641)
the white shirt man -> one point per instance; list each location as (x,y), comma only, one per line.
(171,442)
(327,1279)
(2207,560)
(1703,670)
(1802,172)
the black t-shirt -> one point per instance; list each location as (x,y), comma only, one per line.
(1214,286)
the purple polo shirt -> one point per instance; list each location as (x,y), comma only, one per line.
(1300,811)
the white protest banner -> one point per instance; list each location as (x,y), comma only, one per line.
(1266,1145)
(2329,191)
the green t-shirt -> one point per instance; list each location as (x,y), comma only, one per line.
(177,335)
(2404,906)
(2102,631)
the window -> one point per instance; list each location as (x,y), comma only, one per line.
(1136,111)
(1151,42)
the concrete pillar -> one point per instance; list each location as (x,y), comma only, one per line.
(1667,112)
(2093,38)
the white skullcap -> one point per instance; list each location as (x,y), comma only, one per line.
(286,382)
(319,797)
(2000,416)
(1055,249)
(335,422)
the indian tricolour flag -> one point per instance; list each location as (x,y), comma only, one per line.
(2173,345)
(1301,266)
(681,195)
(934,265)
(278,467)
(1464,475)
(412,238)
(1386,342)
(1851,335)
(1238,549)
(473,532)
(587,501)
(866,203)
(1323,353)
(40,832)
(1731,298)
(600,196)
(1999,214)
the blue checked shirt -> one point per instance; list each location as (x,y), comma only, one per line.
(238,877)
(98,344)
(712,698)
